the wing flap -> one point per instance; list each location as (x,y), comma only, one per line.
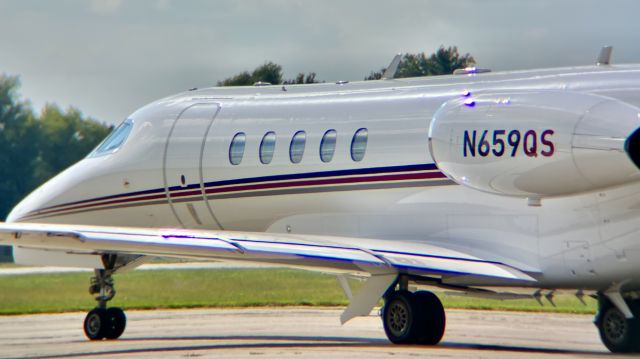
(428,264)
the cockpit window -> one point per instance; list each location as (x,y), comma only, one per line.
(113,142)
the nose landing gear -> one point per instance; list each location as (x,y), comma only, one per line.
(102,322)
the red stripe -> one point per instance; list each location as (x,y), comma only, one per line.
(410,176)
(157,196)
(260,186)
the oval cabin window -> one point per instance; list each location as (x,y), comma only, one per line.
(296,149)
(359,144)
(267,147)
(328,145)
(236,149)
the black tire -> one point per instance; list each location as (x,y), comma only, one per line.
(430,320)
(618,334)
(95,327)
(116,323)
(398,317)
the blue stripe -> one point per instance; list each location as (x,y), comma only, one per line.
(336,173)
(474,260)
(425,255)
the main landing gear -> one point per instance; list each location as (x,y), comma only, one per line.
(413,318)
(102,322)
(618,333)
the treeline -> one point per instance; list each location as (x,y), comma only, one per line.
(35,147)
(442,62)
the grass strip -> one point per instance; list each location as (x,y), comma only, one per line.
(64,292)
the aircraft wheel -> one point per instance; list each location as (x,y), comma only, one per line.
(95,324)
(117,321)
(430,319)
(101,323)
(398,317)
(618,333)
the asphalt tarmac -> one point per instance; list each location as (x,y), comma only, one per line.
(298,332)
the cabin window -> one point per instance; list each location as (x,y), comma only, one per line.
(328,145)
(115,140)
(236,149)
(359,144)
(296,149)
(267,147)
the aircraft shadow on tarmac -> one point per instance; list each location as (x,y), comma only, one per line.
(298,342)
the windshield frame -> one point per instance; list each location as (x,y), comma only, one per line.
(114,141)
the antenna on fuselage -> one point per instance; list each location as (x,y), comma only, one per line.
(391,70)
(604,58)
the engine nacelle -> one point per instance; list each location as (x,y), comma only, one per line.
(535,144)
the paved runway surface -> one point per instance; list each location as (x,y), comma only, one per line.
(298,332)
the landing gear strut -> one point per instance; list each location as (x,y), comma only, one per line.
(413,318)
(102,322)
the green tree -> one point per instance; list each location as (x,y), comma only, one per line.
(301,78)
(268,72)
(414,65)
(443,62)
(63,139)
(375,75)
(18,130)
(35,148)
(241,79)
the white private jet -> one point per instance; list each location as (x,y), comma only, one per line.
(526,178)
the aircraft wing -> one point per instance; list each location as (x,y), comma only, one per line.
(334,254)
(380,260)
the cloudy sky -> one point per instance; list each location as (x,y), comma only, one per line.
(109,57)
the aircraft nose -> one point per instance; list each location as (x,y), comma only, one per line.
(27,207)
(51,193)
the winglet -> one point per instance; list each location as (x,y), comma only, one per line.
(604,58)
(391,70)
